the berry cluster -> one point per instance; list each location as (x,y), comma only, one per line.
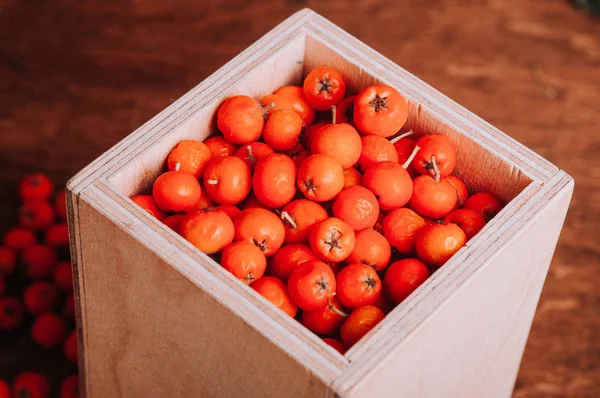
(36,281)
(324,204)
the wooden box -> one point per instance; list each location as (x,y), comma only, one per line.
(157,318)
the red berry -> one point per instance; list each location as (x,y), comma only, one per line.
(40,297)
(310,285)
(5,391)
(283,262)
(58,235)
(35,187)
(146,202)
(174,222)
(18,238)
(70,387)
(31,385)
(468,220)
(70,349)
(403,277)
(11,313)
(336,344)
(176,191)
(325,321)
(359,323)
(49,330)
(39,261)
(63,276)
(60,205)
(357,285)
(485,204)
(8,260)
(36,215)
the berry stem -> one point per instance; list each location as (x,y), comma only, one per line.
(398,138)
(286,216)
(458,198)
(267,108)
(335,309)
(436,169)
(333,114)
(250,155)
(411,157)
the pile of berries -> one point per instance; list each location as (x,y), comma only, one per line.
(36,281)
(323,204)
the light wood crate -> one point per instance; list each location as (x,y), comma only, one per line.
(157,318)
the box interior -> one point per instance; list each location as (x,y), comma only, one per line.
(481,170)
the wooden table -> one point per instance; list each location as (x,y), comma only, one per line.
(76,77)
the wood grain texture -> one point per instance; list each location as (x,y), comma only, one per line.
(190,344)
(105,67)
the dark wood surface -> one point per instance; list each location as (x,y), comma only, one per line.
(77,76)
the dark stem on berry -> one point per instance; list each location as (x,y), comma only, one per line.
(334,239)
(262,245)
(378,103)
(370,282)
(325,85)
(322,283)
(310,186)
(249,278)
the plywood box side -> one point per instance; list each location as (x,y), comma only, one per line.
(144,320)
(72,202)
(210,277)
